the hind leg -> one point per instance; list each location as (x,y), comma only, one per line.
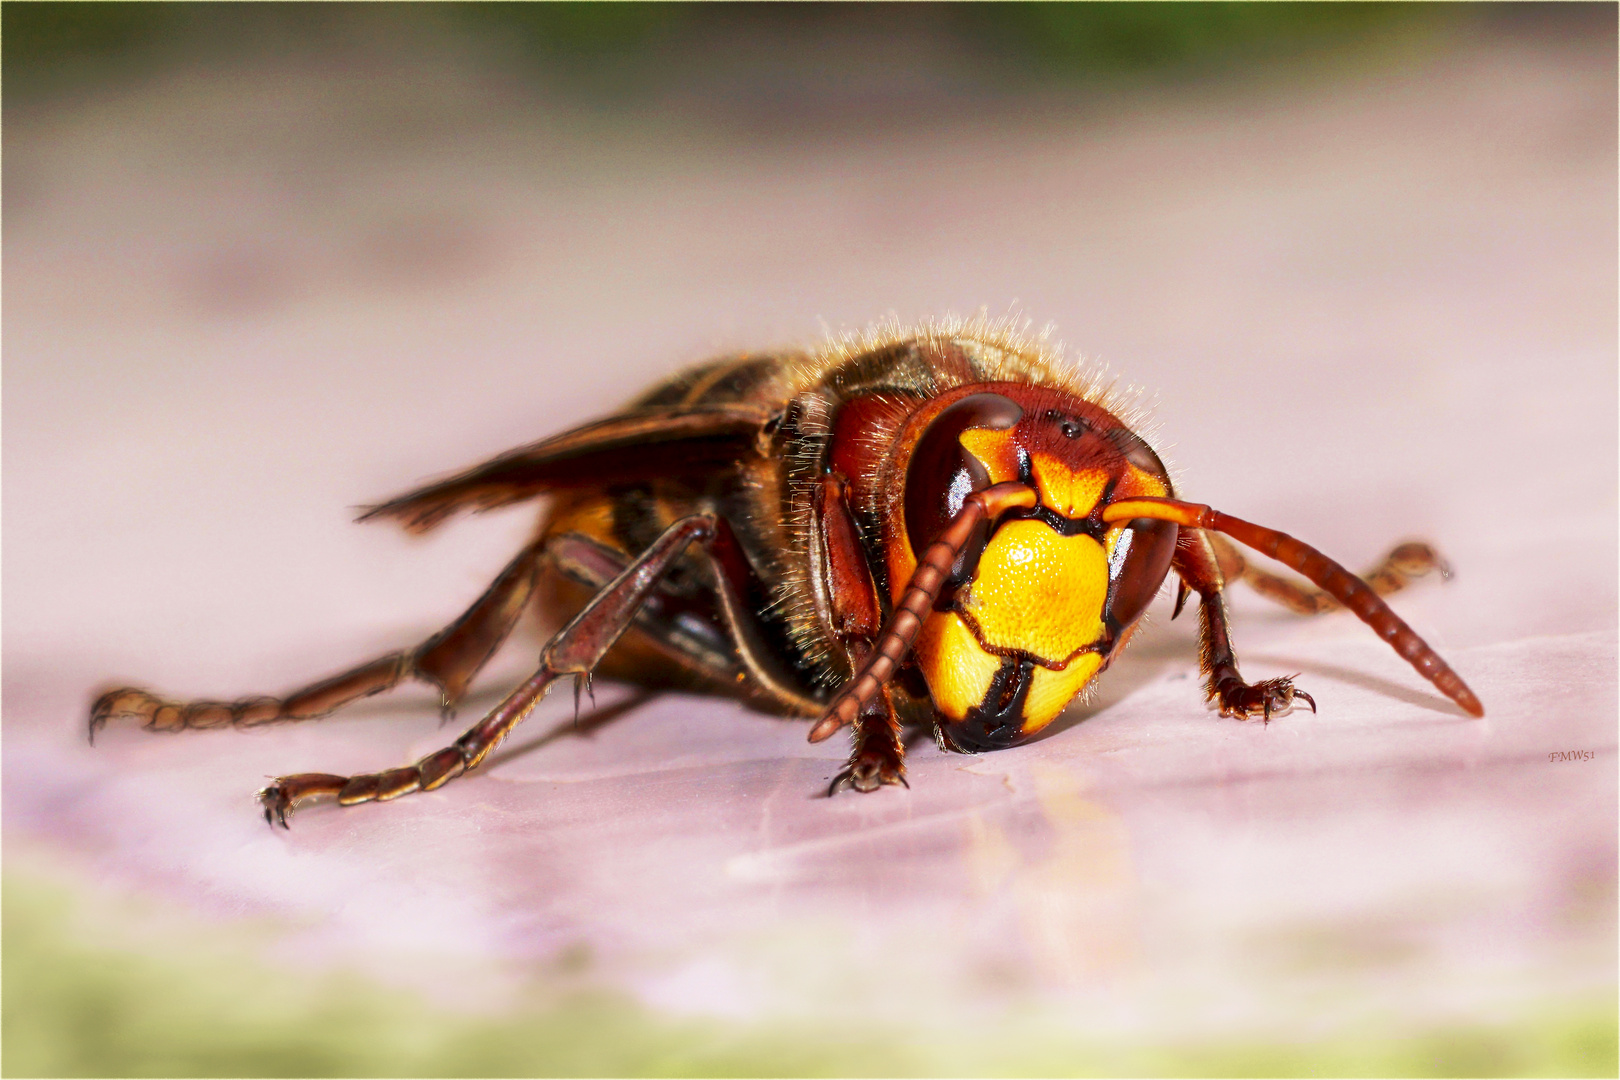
(448,660)
(576,650)
(1405,563)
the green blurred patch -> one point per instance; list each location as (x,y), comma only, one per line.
(115,994)
(1093,39)
(610,47)
(574,30)
(42,33)
(204,1006)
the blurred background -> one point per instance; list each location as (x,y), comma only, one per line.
(267,262)
(621,53)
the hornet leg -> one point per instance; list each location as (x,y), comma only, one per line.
(1404,564)
(879,756)
(1196,561)
(449,660)
(576,650)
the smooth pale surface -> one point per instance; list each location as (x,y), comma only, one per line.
(1379,305)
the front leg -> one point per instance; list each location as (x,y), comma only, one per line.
(879,756)
(1223,683)
(1196,563)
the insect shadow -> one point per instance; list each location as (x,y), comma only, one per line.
(1383,687)
(580,725)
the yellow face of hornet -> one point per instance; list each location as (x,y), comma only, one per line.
(1054,593)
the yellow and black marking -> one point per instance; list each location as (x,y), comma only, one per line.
(1032,628)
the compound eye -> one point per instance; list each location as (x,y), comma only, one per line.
(1136,451)
(942,473)
(1137,567)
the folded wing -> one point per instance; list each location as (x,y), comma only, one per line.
(639,445)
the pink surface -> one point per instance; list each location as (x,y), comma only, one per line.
(239,304)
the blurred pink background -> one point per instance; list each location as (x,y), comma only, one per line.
(1372,303)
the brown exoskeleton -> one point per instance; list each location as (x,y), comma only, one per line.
(943,527)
